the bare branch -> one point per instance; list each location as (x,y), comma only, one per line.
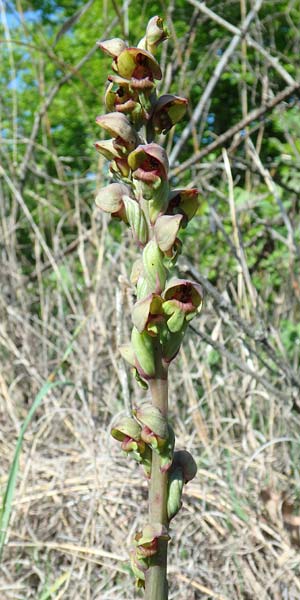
(227,135)
(213,81)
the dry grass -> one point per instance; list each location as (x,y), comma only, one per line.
(78,501)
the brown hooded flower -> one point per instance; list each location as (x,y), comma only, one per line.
(184,202)
(168,111)
(120,128)
(110,200)
(149,163)
(137,64)
(183,300)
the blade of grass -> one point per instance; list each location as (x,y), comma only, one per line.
(13,473)
(47,594)
(5,512)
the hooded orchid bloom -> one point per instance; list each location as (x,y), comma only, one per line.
(168,111)
(109,199)
(183,300)
(149,163)
(137,64)
(147,313)
(146,541)
(120,128)
(128,431)
(183,202)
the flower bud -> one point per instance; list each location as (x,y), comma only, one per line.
(183,460)
(184,202)
(156,33)
(118,126)
(109,199)
(154,270)
(175,487)
(183,300)
(165,230)
(168,111)
(112,47)
(136,220)
(135,63)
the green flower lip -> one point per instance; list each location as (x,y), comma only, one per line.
(184,291)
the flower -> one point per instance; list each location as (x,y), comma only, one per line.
(183,300)
(146,541)
(128,431)
(149,163)
(156,33)
(120,128)
(137,64)
(109,199)
(185,202)
(154,425)
(167,111)
(119,98)
(146,313)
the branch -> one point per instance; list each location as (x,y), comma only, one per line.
(50,96)
(233,358)
(213,81)
(227,135)
(272,60)
(255,331)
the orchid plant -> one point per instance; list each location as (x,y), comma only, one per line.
(141,197)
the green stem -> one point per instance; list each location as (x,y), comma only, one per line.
(156,576)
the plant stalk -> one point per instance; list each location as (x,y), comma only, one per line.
(156,585)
